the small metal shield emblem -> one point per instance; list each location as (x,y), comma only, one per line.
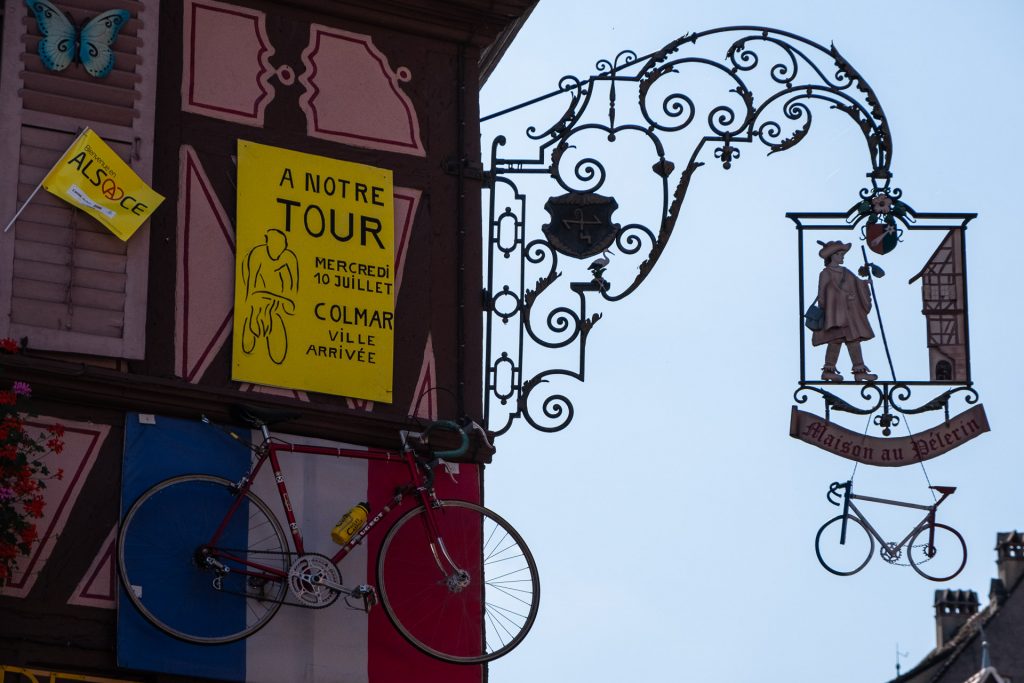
(581,223)
(882,237)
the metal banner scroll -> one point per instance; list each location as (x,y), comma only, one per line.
(892,452)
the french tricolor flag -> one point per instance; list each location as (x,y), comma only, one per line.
(329,645)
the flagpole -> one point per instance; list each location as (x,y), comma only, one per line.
(36,190)
(30,197)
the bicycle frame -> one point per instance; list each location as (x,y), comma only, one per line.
(455,579)
(268,451)
(929,519)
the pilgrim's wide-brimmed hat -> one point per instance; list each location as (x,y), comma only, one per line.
(829,248)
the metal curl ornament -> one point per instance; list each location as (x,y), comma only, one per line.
(790,71)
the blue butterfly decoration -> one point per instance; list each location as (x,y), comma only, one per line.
(63,43)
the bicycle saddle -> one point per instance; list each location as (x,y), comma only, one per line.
(946,490)
(254,417)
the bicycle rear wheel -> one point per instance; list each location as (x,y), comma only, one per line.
(468,598)
(162,551)
(943,559)
(843,559)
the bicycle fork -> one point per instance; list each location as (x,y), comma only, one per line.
(846,514)
(929,550)
(455,578)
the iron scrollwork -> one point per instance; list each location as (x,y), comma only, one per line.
(889,399)
(793,78)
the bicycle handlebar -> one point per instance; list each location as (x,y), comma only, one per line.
(468,430)
(446,425)
(833,490)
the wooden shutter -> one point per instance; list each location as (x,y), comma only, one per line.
(66,282)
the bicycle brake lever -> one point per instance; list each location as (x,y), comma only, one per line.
(451,468)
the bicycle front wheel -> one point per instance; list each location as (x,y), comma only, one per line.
(843,557)
(192,590)
(469,595)
(938,558)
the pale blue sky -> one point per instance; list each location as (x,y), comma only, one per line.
(673,521)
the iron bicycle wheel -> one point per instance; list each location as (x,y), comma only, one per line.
(943,559)
(843,559)
(469,613)
(161,554)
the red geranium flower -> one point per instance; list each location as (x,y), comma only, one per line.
(25,484)
(35,507)
(9,345)
(23,472)
(28,534)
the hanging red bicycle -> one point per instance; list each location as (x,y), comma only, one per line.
(442,562)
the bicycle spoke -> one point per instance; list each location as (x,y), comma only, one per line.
(513,596)
(474,617)
(177,595)
(497,628)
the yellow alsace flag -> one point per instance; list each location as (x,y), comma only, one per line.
(91,177)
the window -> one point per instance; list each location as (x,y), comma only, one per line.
(66,282)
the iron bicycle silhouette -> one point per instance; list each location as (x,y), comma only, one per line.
(845,543)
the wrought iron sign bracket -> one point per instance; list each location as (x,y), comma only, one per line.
(772,84)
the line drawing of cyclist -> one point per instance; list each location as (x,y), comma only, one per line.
(270,272)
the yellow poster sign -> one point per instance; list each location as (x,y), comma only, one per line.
(91,177)
(35,676)
(314,275)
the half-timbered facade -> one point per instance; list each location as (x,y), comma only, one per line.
(117,333)
(943,306)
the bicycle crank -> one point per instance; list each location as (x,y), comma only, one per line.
(314,581)
(890,552)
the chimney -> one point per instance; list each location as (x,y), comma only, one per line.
(952,610)
(1010,557)
(997,592)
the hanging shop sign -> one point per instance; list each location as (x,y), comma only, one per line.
(314,275)
(884,333)
(888,452)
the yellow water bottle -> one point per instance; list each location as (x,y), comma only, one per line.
(349,525)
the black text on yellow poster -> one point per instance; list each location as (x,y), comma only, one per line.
(314,275)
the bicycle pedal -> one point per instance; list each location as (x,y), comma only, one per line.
(368,594)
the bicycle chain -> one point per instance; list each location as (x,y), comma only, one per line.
(287,591)
(906,564)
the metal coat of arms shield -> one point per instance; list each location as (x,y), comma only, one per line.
(581,223)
